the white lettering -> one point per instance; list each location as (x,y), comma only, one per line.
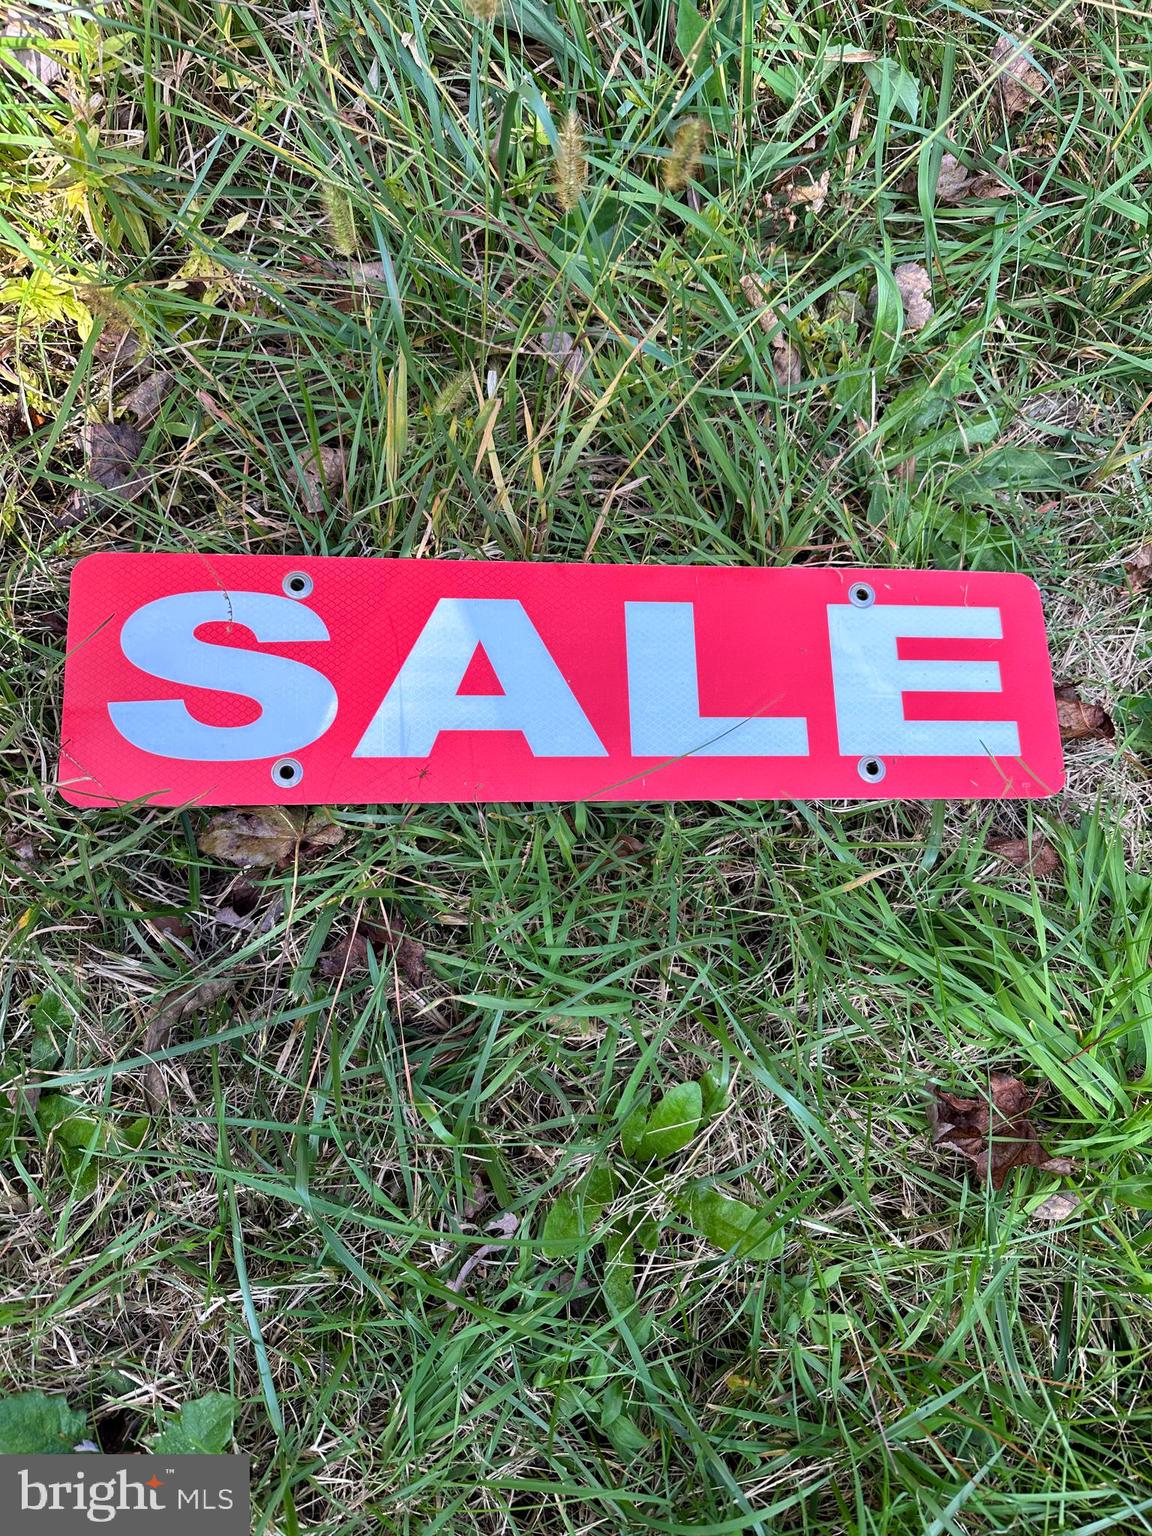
(664,696)
(870,679)
(27,1488)
(297,703)
(423,700)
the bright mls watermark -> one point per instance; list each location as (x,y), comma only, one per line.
(64,1495)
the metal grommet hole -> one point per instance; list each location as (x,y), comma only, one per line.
(298,584)
(287,773)
(871,769)
(861,595)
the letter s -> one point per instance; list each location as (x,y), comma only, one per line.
(297,703)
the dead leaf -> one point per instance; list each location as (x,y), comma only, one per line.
(1021,81)
(346,956)
(113,450)
(563,353)
(351,953)
(27,26)
(796,189)
(1080,721)
(144,401)
(988,184)
(478,1198)
(627,845)
(995,1133)
(269,835)
(787,365)
(247,838)
(21,842)
(320,833)
(504,1226)
(1040,857)
(1058,1207)
(808,191)
(171,925)
(22,1095)
(915,286)
(951,180)
(367,271)
(178,1005)
(1138,568)
(322,477)
(756,292)
(956,184)
(410,959)
(118,348)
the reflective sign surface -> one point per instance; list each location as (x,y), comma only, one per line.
(261,679)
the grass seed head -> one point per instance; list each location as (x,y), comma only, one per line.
(341,218)
(453,394)
(571,166)
(687,152)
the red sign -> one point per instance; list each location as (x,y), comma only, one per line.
(261,679)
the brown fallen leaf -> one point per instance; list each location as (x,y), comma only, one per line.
(350,953)
(808,191)
(1080,721)
(21,842)
(409,955)
(915,286)
(956,184)
(367,272)
(113,450)
(264,836)
(1021,81)
(796,189)
(119,348)
(787,366)
(1040,857)
(24,25)
(988,184)
(503,1226)
(563,353)
(178,1005)
(787,363)
(756,292)
(951,180)
(268,835)
(322,476)
(320,833)
(1058,1207)
(146,398)
(345,956)
(994,1133)
(1138,568)
(171,925)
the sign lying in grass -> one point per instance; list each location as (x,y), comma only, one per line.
(260,679)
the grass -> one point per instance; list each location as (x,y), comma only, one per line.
(338,228)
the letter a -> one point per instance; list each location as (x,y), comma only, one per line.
(424,699)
